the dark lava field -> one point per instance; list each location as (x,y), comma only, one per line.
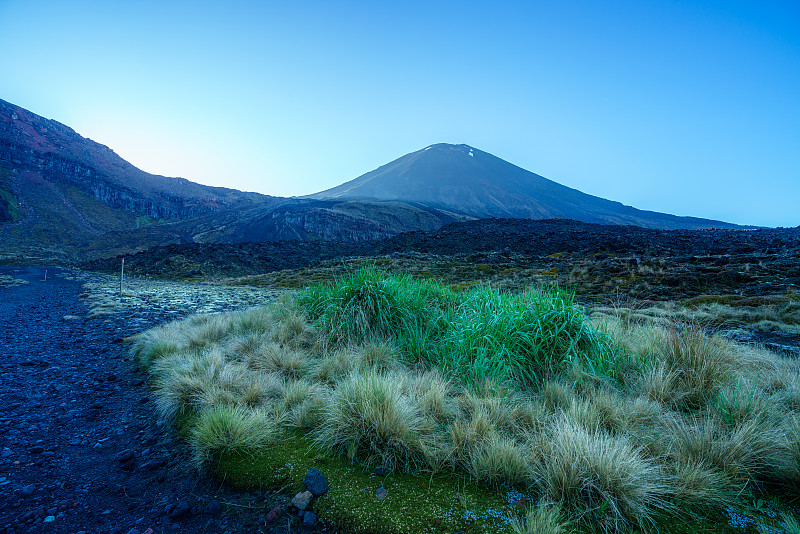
(598,262)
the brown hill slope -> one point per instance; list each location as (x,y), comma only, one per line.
(64,196)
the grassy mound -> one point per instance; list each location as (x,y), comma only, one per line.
(478,404)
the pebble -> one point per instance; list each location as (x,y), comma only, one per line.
(309,519)
(27,491)
(274,514)
(91,402)
(125,456)
(302,500)
(212,507)
(179,510)
(316,482)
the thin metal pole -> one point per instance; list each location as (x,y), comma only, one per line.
(121,276)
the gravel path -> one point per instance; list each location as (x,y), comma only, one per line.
(80,446)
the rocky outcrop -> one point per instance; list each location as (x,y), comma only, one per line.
(57,168)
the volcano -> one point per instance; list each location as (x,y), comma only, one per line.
(469,181)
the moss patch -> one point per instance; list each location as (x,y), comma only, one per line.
(413,504)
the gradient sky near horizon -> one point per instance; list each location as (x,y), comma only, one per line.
(684,107)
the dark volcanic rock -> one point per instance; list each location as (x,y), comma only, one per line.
(67,468)
(316,482)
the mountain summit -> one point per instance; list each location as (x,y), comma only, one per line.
(465,180)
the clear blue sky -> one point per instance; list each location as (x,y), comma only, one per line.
(690,108)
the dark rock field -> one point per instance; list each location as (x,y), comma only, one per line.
(80,446)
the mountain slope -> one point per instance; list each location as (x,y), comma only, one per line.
(62,195)
(469,181)
(59,189)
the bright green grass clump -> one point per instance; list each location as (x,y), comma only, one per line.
(479,336)
(497,337)
(371,305)
(480,403)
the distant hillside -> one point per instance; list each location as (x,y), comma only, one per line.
(469,181)
(58,188)
(64,196)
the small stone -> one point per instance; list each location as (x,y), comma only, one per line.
(381,492)
(309,519)
(181,509)
(6,452)
(212,507)
(316,482)
(133,531)
(302,500)
(38,449)
(274,514)
(154,464)
(381,471)
(125,456)
(49,519)
(27,491)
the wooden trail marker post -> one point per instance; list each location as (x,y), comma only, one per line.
(121,276)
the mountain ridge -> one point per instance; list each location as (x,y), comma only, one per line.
(63,195)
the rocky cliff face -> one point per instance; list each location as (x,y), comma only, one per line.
(57,154)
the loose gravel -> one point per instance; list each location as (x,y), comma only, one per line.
(81,449)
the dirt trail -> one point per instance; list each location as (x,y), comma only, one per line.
(80,446)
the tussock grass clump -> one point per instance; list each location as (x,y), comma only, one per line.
(619,426)
(601,478)
(369,305)
(755,449)
(226,429)
(370,417)
(499,337)
(702,486)
(699,363)
(544,518)
(499,460)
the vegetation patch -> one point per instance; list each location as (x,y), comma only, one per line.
(435,410)
(10,281)
(9,205)
(774,313)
